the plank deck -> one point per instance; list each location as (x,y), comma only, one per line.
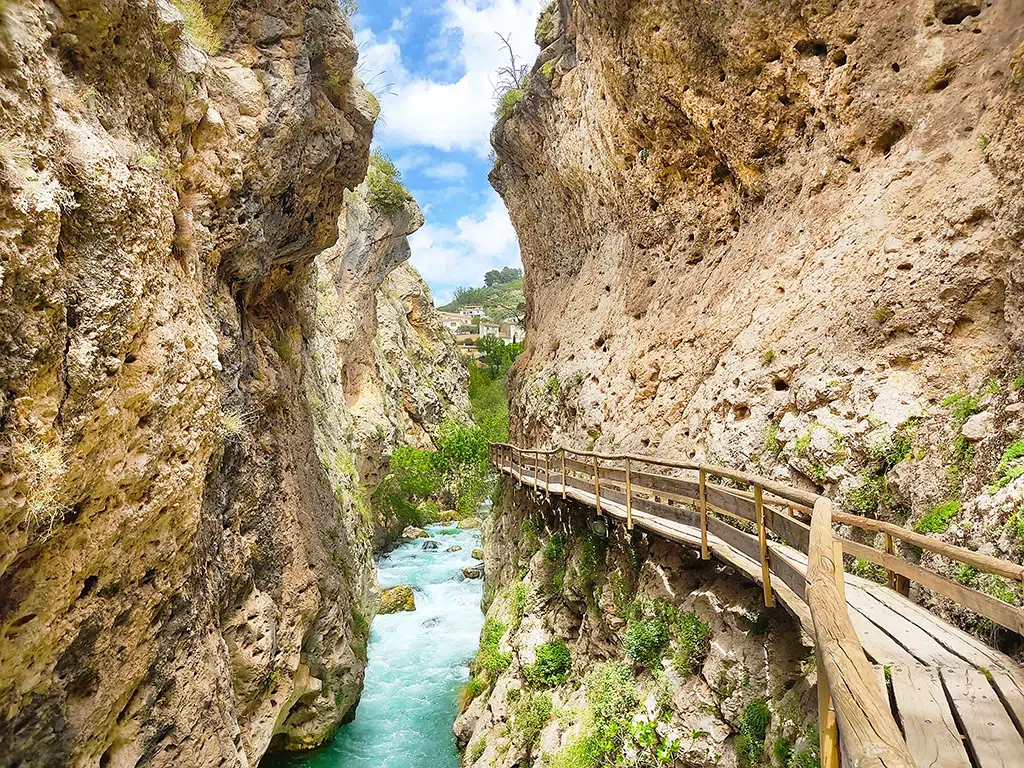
(944,681)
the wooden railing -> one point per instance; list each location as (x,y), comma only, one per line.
(729,504)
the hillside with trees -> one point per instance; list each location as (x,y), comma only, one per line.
(501,296)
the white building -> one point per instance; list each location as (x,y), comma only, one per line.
(473,311)
(490,329)
(453,320)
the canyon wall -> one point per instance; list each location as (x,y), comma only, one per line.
(784,237)
(194,373)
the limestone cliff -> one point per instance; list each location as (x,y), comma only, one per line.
(783,237)
(186,573)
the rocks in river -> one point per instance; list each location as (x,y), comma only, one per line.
(470,522)
(477,553)
(454,548)
(431,545)
(432,622)
(412,532)
(473,573)
(397,599)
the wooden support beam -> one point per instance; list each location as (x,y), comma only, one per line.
(704,554)
(547,479)
(629,499)
(597,485)
(762,537)
(564,483)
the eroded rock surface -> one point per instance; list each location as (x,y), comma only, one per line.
(784,238)
(186,572)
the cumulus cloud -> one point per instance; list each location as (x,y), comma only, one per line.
(446,171)
(460,255)
(456,114)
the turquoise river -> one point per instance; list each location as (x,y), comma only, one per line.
(417,662)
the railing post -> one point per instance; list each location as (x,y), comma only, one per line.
(704,555)
(762,537)
(890,550)
(629,498)
(828,730)
(564,479)
(547,478)
(597,486)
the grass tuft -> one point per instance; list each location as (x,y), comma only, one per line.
(198,27)
(937,521)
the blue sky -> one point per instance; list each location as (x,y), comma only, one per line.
(432,64)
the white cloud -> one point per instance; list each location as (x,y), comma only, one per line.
(446,171)
(460,255)
(419,110)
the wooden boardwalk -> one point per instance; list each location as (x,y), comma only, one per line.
(956,702)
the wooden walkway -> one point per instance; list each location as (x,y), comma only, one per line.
(956,702)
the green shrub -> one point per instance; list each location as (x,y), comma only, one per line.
(1018,383)
(692,637)
(868,570)
(611,690)
(507,102)
(473,688)
(519,595)
(583,751)
(551,667)
(772,444)
(546,23)
(387,194)
(749,742)
(645,640)
(938,519)
(478,749)
(488,657)
(808,756)
(768,357)
(1011,466)
(198,27)
(530,716)
(783,751)
(554,548)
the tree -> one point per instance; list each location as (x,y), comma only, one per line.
(502,276)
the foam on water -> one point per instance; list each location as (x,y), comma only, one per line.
(417,661)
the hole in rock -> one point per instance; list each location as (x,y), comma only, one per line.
(895,67)
(781,385)
(87,587)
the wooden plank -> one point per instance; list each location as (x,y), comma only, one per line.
(578,466)
(795,533)
(991,734)
(782,567)
(735,538)
(931,732)
(921,645)
(1002,613)
(878,645)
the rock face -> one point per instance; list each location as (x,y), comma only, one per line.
(186,572)
(587,592)
(400,598)
(412,532)
(783,238)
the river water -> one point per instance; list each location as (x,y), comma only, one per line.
(417,662)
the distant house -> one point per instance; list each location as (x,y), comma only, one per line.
(473,311)
(490,329)
(454,320)
(512,333)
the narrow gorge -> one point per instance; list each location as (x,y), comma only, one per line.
(729,469)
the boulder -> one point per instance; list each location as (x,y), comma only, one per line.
(454,548)
(412,532)
(430,545)
(473,573)
(978,427)
(470,522)
(477,554)
(397,599)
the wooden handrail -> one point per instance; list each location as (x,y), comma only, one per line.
(850,698)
